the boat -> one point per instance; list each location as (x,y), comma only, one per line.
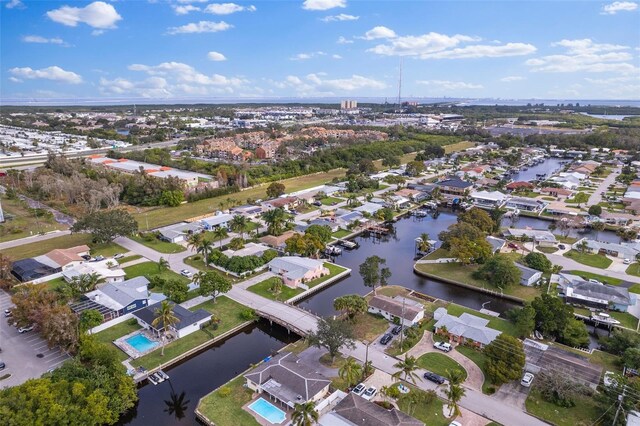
(348,244)
(538,335)
(152,379)
(604,318)
(157,377)
(162,374)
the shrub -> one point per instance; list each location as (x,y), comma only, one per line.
(224,392)
(248,314)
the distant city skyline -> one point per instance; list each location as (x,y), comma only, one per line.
(197,49)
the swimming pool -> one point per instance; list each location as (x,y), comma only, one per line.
(141,343)
(268,411)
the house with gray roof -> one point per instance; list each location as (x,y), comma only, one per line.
(391,308)
(122,297)
(594,295)
(296,270)
(542,237)
(526,204)
(179,232)
(496,243)
(370,208)
(529,276)
(216,221)
(466,328)
(287,379)
(355,410)
(188,321)
(621,250)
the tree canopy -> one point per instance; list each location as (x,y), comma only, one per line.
(332,334)
(107,225)
(505,359)
(537,261)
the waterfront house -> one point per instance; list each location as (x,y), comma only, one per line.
(276,241)
(594,295)
(355,410)
(519,185)
(556,192)
(398,202)
(406,311)
(370,208)
(496,243)
(188,321)
(466,328)
(295,270)
(541,237)
(526,204)
(287,379)
(529,276)
(123,297)
(454,188)
(487,199)
(412,194)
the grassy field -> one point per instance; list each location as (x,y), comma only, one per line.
(585,412)
(368,327)
(330,201)
(264,289)
(341,233)
(439,253)
(440,364)
(227,410)
(464,274)
(225,309)
(149,269)
(589,275)
(160,246)
(196,261)
(460,146)
(594,260)
(21,221)
(41,247)
(634,269)
(112,333)
(107,249)
(161,216)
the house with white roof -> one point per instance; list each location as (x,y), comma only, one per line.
(370,208)
(249,249)
(295,270)
(525,203)
(542,237)
(107,270)
(466,328)
(216,221)
(621,250)
(179,232)
(488,199)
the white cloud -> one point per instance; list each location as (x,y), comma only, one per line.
(340,17)
(43,40)
(619,6)
(216,56)
(200,27)
(451,85)
(511,78)
(97,15)
(305,56)
(483,51)
(183,73)
(53,73)
(587,56)
(15,4)
(152,87)
(379,32)
(227,8)
(185,9)
(344,40)
(323,4)
(192,1)
(335,56)
(316,84)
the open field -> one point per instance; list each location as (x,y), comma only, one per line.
(161,216)
(22,222)
(585,412)
(460,146)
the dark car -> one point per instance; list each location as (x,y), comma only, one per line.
(386,338)
(561,246)
(397,329)
(434,377)
(2,365)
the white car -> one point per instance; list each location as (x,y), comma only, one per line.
(594,281)
(186,273)
(443,346)
(627,261)
(118,256)
(527,379)
(370,393)
(25,329)
(358,390)
(454,423)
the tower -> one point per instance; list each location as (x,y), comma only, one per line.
(400,84)
(1,213)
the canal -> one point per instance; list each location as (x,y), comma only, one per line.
(548,167)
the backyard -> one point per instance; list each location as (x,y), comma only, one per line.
(341,233)
(333,271)
(224,407)
(149,269)
(369,327)
(431,413)
(594,260)
(112,333)
(263,289)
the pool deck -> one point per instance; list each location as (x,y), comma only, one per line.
(262,420)
(133,353)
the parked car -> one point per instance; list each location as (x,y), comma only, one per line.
(2,365)
(317,203)
(443,346)
(455,423)
(386,338)
(627,261)
(25,329)
(358,390)
(397,329)
(593,281)
(513,246)
(433,377)
(7,313)
(562,246)
(527,379)
(118,256)
(99,258)
(370,393)
(186,273)
(86,257)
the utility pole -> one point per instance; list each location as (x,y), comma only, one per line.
(620,399)
(402,324)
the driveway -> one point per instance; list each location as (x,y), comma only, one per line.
(311,356)
(513,394)
(475,377)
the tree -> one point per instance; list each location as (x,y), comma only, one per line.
(552,315)
(171,198)
(478,218)
(239,224)
(496,215)
(455,391)
(598,226)
(583,246)
(470,251)
(460,230)
(164,319)
(537,261)
(352,304)
(5,271)
(107,225)
(366,166)
(276,220)
(212,284)
(580,198)
(407,368)
(350,371)
(205,246)
(524,319)
(618,342)
(84,283)
(194,241)
(236,243)
(307,245)
(332,334)
(384,214)
(391,161)
(631,358)
(595,210)
(220,233)
(559,389)
(89,319)
(322,232)
(505,359)
(176,290)
(304,414)
(275,190)
(276,285)
(575,333)
(423,243)
(370,271)
(414,168)
(163,264)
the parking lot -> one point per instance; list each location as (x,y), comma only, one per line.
(26,355)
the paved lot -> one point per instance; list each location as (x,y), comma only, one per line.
(26,355)
(513,394)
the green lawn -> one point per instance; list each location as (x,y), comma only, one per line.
(333,271)
(459,146)
(54,284)
(585,412)
(369,327)
(227,410)
(160,246)
(634,269)
(41,247)
(225,309)
(112,333)
(635,288)
(341,233)
(437,254)
(196,261)
(439,364)
(107,249)
(547,250)
(330,201)
(594,260)
(264,289)
(430,414)
(480,359)
(21,222)
(126,259)
(602,278)
(149,269)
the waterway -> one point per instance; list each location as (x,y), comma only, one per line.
(548,167)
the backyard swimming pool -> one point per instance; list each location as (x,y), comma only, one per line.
(268,411)
(141,343)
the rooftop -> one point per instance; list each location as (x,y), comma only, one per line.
(394,307)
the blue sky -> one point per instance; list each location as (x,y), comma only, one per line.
(309,48)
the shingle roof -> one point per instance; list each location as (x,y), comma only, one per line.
(617,295)
(466,325)
(526,271)
(394,307)
(359,411)
(454,182)
(185,316)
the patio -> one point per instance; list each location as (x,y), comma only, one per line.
(133,352)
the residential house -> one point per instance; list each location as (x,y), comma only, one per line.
(594,295)
(370,208)
(188,321)
(286,203)
(333,224)
(556,192)
(542,237)
(107,270)
(123,297)
(466,328)
(398,202)
(179,232)
(529,276)
(295,270)
(407,311)
(287,379)
(454,188)
(526,204)
(219,220)
(519,185)
(355,410)
(248,211)
(276,241)
(496,243)
(350,218)
(487,183)
(30,269)
(412,194)
(622,250)
(559,208)
(68,258)
(487,199)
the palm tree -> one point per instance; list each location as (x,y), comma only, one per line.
(85,282)
(455,392)
(194,241)
(276,220)
(166,318)
(407,368)
(163,264)
(352,199)
(304,414)
(204,248)
(423,243)
(240,224)
(220,233)
(350,371)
